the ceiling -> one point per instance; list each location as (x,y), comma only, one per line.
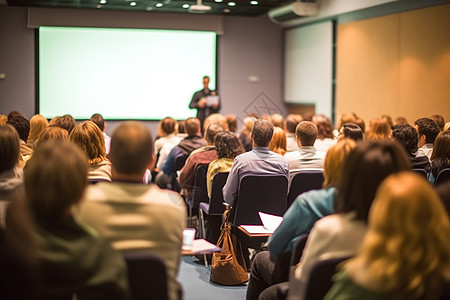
(218,7)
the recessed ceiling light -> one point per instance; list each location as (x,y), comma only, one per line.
(102,1)
(159,4)
(226,10)
(133,3)
(186,5)
(231,3)
(218,1)
(254,2)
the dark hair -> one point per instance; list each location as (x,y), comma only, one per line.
(168,125)
(232,122)
(227,145)
(98,120)
(192,125)
(427,127)
(22,126)
(406,135)
(277,120)
(212,130)
(9,147)
(181,126)
(363,171)
(262,132)
(440,158)
(352,131)
(14,113)
(66,122)
(306,131)
(292,121)
(324,127)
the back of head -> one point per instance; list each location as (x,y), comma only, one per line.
(324,127)
(364,169)
(3,119)
(439,120)
(427,127)
(248,125)
(37,124)
(90,139)
(352,131)
(292,121)
(66,122)
(400,120)
(131,148)
(167,126)
(211,131)
(277,120)
(334,161)
(55,179)
(262,132)
(407,136)
(306,131)
(227,145)
(99,121)
(217,119)
(378,129)
(232,122)
(278,143)
(348,117)
(192,126)
(9,147)
(52,133)
(441,148)
(22,126)
(181,126)
(14,113)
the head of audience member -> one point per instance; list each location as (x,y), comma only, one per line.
(3,119)
(400,121)
(182,127)
(167,126)
(22,125)
(53,120)
(278,143)
(227,145)
(427,129)
(66,122)
(439,120)
(360,122)
(90,139)
(206,82)
(99,121)
(52,133)
(192,127)
(351,131)
(277,120)
(306,133)
(334,161)
(388,120)
(37,124)
(407,136)
(406,251)
(365,168)
(212,130)
(215,118)
(308,116)
(447,126)
(441,149)
(324,127)
(232,122)
(9,147)
(131,151)
(292,121)
(262,133)
(378,129)
(348,117)
(14,113)
(55,180)
(248,125)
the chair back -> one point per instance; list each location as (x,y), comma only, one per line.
(297,251)
(180,160)
(304,181)
(421,172)
(259,193)
(200,192)
(146,276)
(443,176)
(216,206)
(319,282)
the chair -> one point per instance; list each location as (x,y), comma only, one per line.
(304,181)
(421,172)
(179,162)
(443,176)
(297,251)
(146,276)
(199,191)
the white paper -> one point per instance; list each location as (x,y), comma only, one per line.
(212,100)
(256,229)
(270,222)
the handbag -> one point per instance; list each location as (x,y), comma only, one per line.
(228,266)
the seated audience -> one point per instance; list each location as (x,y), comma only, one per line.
(245,133)
(379,129)
(428,131)
(292,121)
(277,120)
(407,136)
(351,131)
(22,126)
(440,159)
(259,161)
(74,261)
(325,138)
(232,123)
(278,142)
(66,122)
(37,124)
(100,122)
(217,119)
(406,251)
(167,139)
(90,139)
(53,133)
(299,219)
(131,215)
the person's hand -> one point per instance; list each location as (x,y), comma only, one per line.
(202,102)
(215,106)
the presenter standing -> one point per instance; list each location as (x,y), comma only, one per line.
(206,102)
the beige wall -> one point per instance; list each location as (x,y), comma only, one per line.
(397,64)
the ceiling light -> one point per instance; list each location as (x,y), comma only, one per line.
(102,1)
(185,5)
(133,3)
(99,6)
(218,1)
(254,2)
(159,4)
(226,10)
(231,3)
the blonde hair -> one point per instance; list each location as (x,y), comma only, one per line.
(334,160)
(406,252)
(378,129)
(90,139)
(278,142)
(3,119)
(248,125)
(52,132)
(37,125)
(217,119)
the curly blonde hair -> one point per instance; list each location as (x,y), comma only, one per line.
(90,139)
(406,252)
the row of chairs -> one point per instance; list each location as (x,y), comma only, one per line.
(443,176)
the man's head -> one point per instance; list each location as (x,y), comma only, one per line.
(131,149)
(99,121)
(278,121)
(192,126)
(262,133)
(406,135)
(66,122)
(292,121)
(9,147)
(167,126)
(211,132)
(205,82)
(306,133)
(22,126)
(427,129)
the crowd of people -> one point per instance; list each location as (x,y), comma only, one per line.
(76,199)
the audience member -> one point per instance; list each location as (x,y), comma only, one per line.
(22,126)
(259,161)
(66,122)
(53,133)
(360,122)
(278,142)
(351,131)
(348,117)
(292,121)
(217,119)
(407,136)
(325,138)
(37,124)
(406,251)
(379,129)
(277,120)
(3,119)
(232,123)
(439,120)
(400,121)
(14,113)
(245,133)
(90,139)
(440,158)
(167,139)
(428,131)
(299,219)
(132,216)
(74,260)
(388,120)
(306,157)
(100,122)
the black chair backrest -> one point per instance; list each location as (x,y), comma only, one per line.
(421,172)
(259,193)
(443,176)
(146,276)
(216,206)
(304,181)
(180,160)
(297,251)
(200,192)
(319,282)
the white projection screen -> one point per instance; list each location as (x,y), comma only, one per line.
(140,74)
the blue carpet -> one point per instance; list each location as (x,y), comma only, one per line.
(194,278)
